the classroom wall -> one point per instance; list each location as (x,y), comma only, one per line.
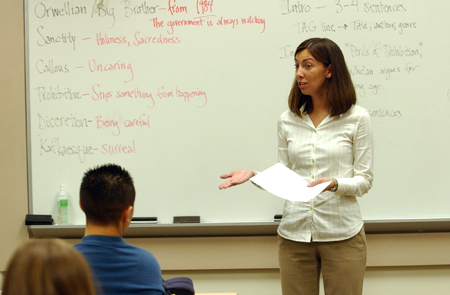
(398,263)
(385,281)
(13,165)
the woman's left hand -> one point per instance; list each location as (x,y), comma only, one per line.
(322,180)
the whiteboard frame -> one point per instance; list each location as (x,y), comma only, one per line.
(226,228)
(27,105)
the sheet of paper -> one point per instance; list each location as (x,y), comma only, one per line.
(285,183)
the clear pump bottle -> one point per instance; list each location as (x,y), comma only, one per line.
(63,207)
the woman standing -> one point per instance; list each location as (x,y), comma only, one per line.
(324,136)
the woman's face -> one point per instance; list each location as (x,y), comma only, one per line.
(312,75)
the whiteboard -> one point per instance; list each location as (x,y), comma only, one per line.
(181,91)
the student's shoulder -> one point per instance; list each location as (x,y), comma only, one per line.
(146,260)
(143,253)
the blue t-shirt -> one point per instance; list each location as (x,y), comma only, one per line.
(121,268)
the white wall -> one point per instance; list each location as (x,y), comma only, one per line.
(378,281)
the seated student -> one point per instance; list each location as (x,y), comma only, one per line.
(107,198)
(47,267)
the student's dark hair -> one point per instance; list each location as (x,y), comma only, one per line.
(341,93)
(105,192)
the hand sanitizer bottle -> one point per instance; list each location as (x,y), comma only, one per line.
(63,204)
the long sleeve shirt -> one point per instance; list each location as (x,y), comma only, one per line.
(120,268)
(339,147)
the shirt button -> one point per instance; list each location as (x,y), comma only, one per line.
(313,161)
(312,176)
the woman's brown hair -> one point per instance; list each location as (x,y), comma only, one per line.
(47,267)
(341,93)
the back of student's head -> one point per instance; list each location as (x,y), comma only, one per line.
(105,192)
(47,267)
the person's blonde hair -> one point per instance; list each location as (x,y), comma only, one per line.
(47,267)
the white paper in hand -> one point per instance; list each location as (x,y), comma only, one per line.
(285,183)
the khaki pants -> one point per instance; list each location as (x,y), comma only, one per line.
(342,264)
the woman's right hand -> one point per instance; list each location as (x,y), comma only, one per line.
(236,177)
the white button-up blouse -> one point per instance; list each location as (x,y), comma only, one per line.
(340,147)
